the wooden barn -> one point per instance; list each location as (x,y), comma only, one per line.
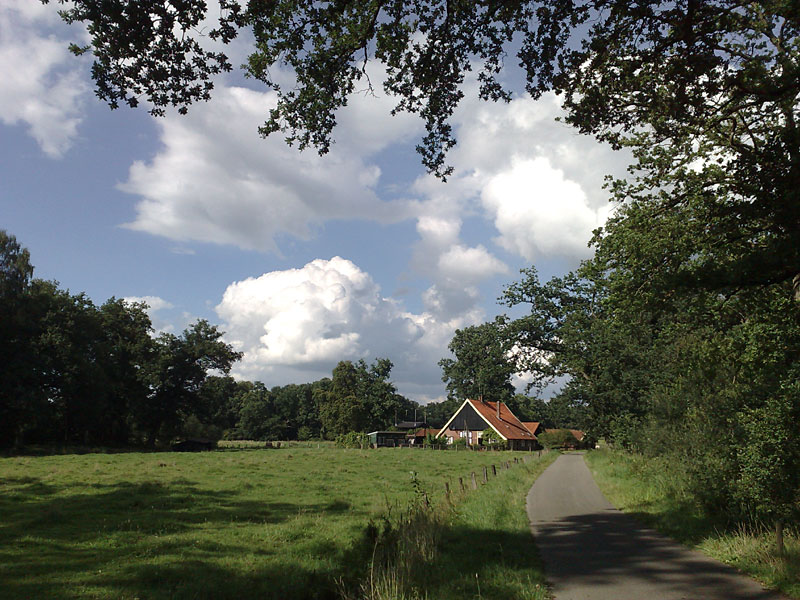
(475,416)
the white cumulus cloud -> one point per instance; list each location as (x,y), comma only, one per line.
(470,265)
(216,180)
(162,314)
(536,180)
(538,211)
(43,84)
(303,321)
(154,303)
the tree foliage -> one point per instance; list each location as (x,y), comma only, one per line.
(76,373)
(481,367)
(360,398)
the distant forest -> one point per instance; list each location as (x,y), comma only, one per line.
(74,373)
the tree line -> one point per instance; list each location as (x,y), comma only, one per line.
(74,373)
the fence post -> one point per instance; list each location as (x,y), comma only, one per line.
(447,490)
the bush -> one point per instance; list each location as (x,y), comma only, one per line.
(560,438)
(431,441)
(493,441)
(354,439)
(627,432)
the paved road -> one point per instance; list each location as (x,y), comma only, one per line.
(592,551)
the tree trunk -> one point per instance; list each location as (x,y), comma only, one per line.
(779,536)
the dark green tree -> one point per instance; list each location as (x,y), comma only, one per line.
(438,413)
(128,349)
(176,375)
(70,349)
(342,410)
(220,402)
(257,418)
(17,406)
(483,365)
(769,483)
(360,397)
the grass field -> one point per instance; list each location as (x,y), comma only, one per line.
(487,548)
(234,523)
(652,491)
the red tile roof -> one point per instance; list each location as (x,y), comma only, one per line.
(422,432)
(508,425)
(532,426)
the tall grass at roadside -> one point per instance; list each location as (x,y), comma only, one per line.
(476,545)
(654,491)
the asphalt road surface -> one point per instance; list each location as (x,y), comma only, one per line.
(592,551)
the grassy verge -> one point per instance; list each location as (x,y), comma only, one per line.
(477,545)
(652,490)
(272,523)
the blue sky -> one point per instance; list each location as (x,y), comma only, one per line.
(303,260)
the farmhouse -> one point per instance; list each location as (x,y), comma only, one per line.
(475,416)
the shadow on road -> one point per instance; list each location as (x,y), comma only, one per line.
(619,548)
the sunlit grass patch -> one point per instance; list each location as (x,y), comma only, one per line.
(278,523)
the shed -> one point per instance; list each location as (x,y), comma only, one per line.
(390,439)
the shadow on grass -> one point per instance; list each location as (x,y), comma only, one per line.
(159,541)
(152,541)
(485,563)
(46,450)
(681,521)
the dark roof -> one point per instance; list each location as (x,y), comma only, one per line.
(409,424)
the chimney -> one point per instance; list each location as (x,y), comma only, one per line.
(498,409)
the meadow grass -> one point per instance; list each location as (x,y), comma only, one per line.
(233,523)
(477,544)
(653,491)
(487,550)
